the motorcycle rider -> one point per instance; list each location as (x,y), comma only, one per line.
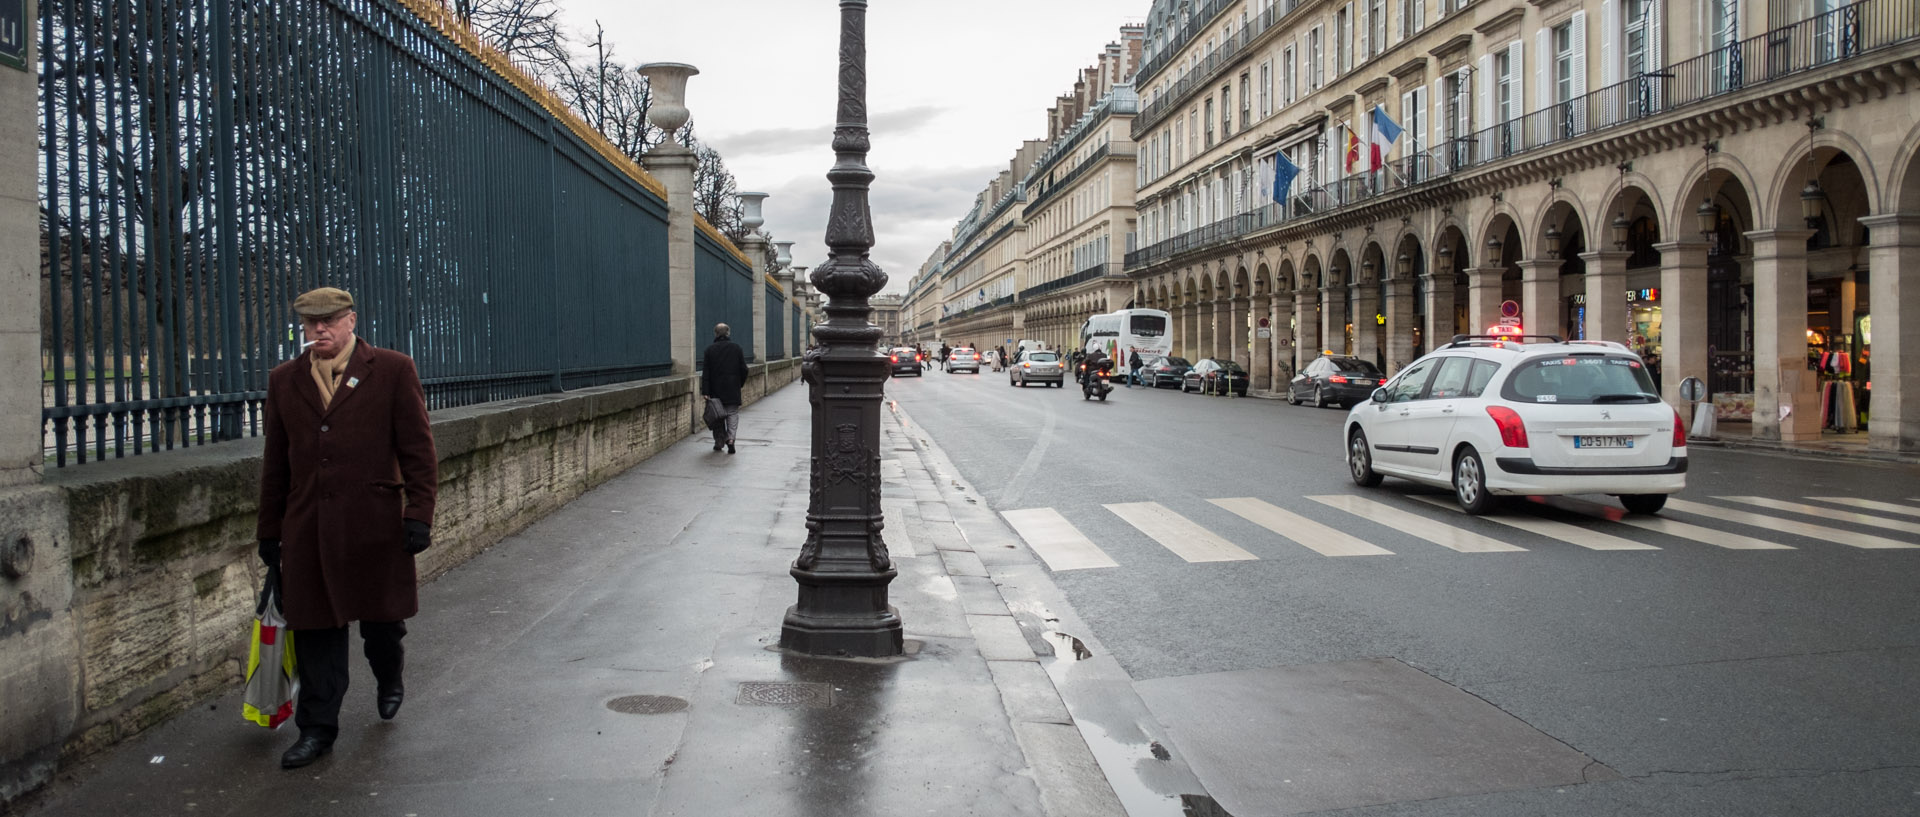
(1097,363)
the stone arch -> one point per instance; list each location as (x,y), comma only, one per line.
(1904,184)
(1564,214)
(1310,272)
(1823,147)
(1283,276)
(1495,222)
(1620,190)
(1846,182)
(1707,176)
(1241,286)
(1373,264)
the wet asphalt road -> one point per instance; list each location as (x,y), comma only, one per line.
(1699,679)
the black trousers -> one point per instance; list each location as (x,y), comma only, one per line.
(320,656)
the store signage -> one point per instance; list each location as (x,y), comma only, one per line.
(13,33)
(1643,294)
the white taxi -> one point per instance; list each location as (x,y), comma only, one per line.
(1525,415)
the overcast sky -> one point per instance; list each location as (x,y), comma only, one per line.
(953,89)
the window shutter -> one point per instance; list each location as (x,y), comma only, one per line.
(1516,62)
(1484,88)
(1426,119)
(1366,30)
(1579,24)
(1612,31)
(1543,69)
(1656,49)
(1419,15)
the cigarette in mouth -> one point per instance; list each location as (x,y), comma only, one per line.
(308,343)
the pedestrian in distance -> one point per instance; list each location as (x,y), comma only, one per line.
(347,489)
(1134,363)
(722,374)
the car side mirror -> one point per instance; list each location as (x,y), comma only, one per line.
(1380,395)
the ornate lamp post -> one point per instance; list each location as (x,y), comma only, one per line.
(843,569)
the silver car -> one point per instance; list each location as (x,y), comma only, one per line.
(963,359)
(1037,367)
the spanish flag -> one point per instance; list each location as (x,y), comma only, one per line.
(1353,147)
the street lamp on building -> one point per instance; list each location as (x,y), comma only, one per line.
(1445,259)
(1812,198)
(1403,266)
(1707,218)
(1553,241)
(1620,231)
(843,568)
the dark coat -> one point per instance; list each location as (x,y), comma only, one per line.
(723,371)
(337,482)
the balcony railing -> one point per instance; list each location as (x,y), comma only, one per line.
(1088,274)
(1845,33)
(1053,188)
(1205,72)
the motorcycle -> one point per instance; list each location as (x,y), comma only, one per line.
(1095,384)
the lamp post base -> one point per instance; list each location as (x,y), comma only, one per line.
(867,636)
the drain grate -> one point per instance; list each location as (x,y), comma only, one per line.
(777,693)
(647,704)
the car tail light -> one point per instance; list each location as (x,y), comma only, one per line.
(919,357)
(1679,431)
(1338,378)
(1513,432)
(896,358)
(976,356)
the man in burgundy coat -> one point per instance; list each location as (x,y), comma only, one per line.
(346,501)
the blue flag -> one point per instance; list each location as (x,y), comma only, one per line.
(1283,173)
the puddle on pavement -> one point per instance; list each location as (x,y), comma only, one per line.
(1134,768)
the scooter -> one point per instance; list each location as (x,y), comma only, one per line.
(1096,383)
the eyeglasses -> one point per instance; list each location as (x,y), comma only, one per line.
(328,321)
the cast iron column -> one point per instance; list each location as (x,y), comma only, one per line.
(843,569)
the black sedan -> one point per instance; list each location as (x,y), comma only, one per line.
(1335,380)
(905,360)
(1213,376)
(1158,371)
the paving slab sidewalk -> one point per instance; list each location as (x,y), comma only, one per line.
(619,658)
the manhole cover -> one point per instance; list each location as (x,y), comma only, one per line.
(774,693)
(647,704)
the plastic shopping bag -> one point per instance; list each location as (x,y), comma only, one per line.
(271,682)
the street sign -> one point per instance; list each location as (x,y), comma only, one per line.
(1509,309)
(13,33)
(1692,390)
(1265,322)
(1263,333)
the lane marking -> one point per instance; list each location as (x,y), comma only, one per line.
(1017,485)
(1439,533)
(1828,514)
(1870,504)
(895,532)
(1056,540)
(1661,524)
(1845,537)
(1302,531)
(1571,534)
(1179,534)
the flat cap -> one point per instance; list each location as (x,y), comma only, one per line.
(319,303)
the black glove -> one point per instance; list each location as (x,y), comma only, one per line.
(270,552)
(419,536)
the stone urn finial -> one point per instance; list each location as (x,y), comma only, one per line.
(750,215)
(668,83)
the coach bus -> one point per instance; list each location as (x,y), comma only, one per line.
(1119,334)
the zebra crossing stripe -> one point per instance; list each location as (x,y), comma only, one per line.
(1309,534)
(1571,534)
(1056,540)
(1661,524)
(1824,532)
(1179,534)
(1869,504)
(1439,533)
(1828,514)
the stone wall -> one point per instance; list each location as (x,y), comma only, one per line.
(127,587)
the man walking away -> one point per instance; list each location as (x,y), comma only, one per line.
(347,488)
(1133,367)
(722,374)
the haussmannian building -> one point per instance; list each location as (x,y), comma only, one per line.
(1042,247)
(1728,187)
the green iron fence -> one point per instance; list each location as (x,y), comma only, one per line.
(206,160)
(722,293)
(776,310)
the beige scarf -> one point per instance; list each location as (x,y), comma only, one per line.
(327,371)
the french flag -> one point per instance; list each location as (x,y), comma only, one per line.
(1382,132)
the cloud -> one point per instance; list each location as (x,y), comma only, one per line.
(780,141)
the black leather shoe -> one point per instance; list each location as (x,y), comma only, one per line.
(716,445)
(729,448)
(304,751)
(390,702)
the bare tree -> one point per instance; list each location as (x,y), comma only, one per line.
(527,31)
